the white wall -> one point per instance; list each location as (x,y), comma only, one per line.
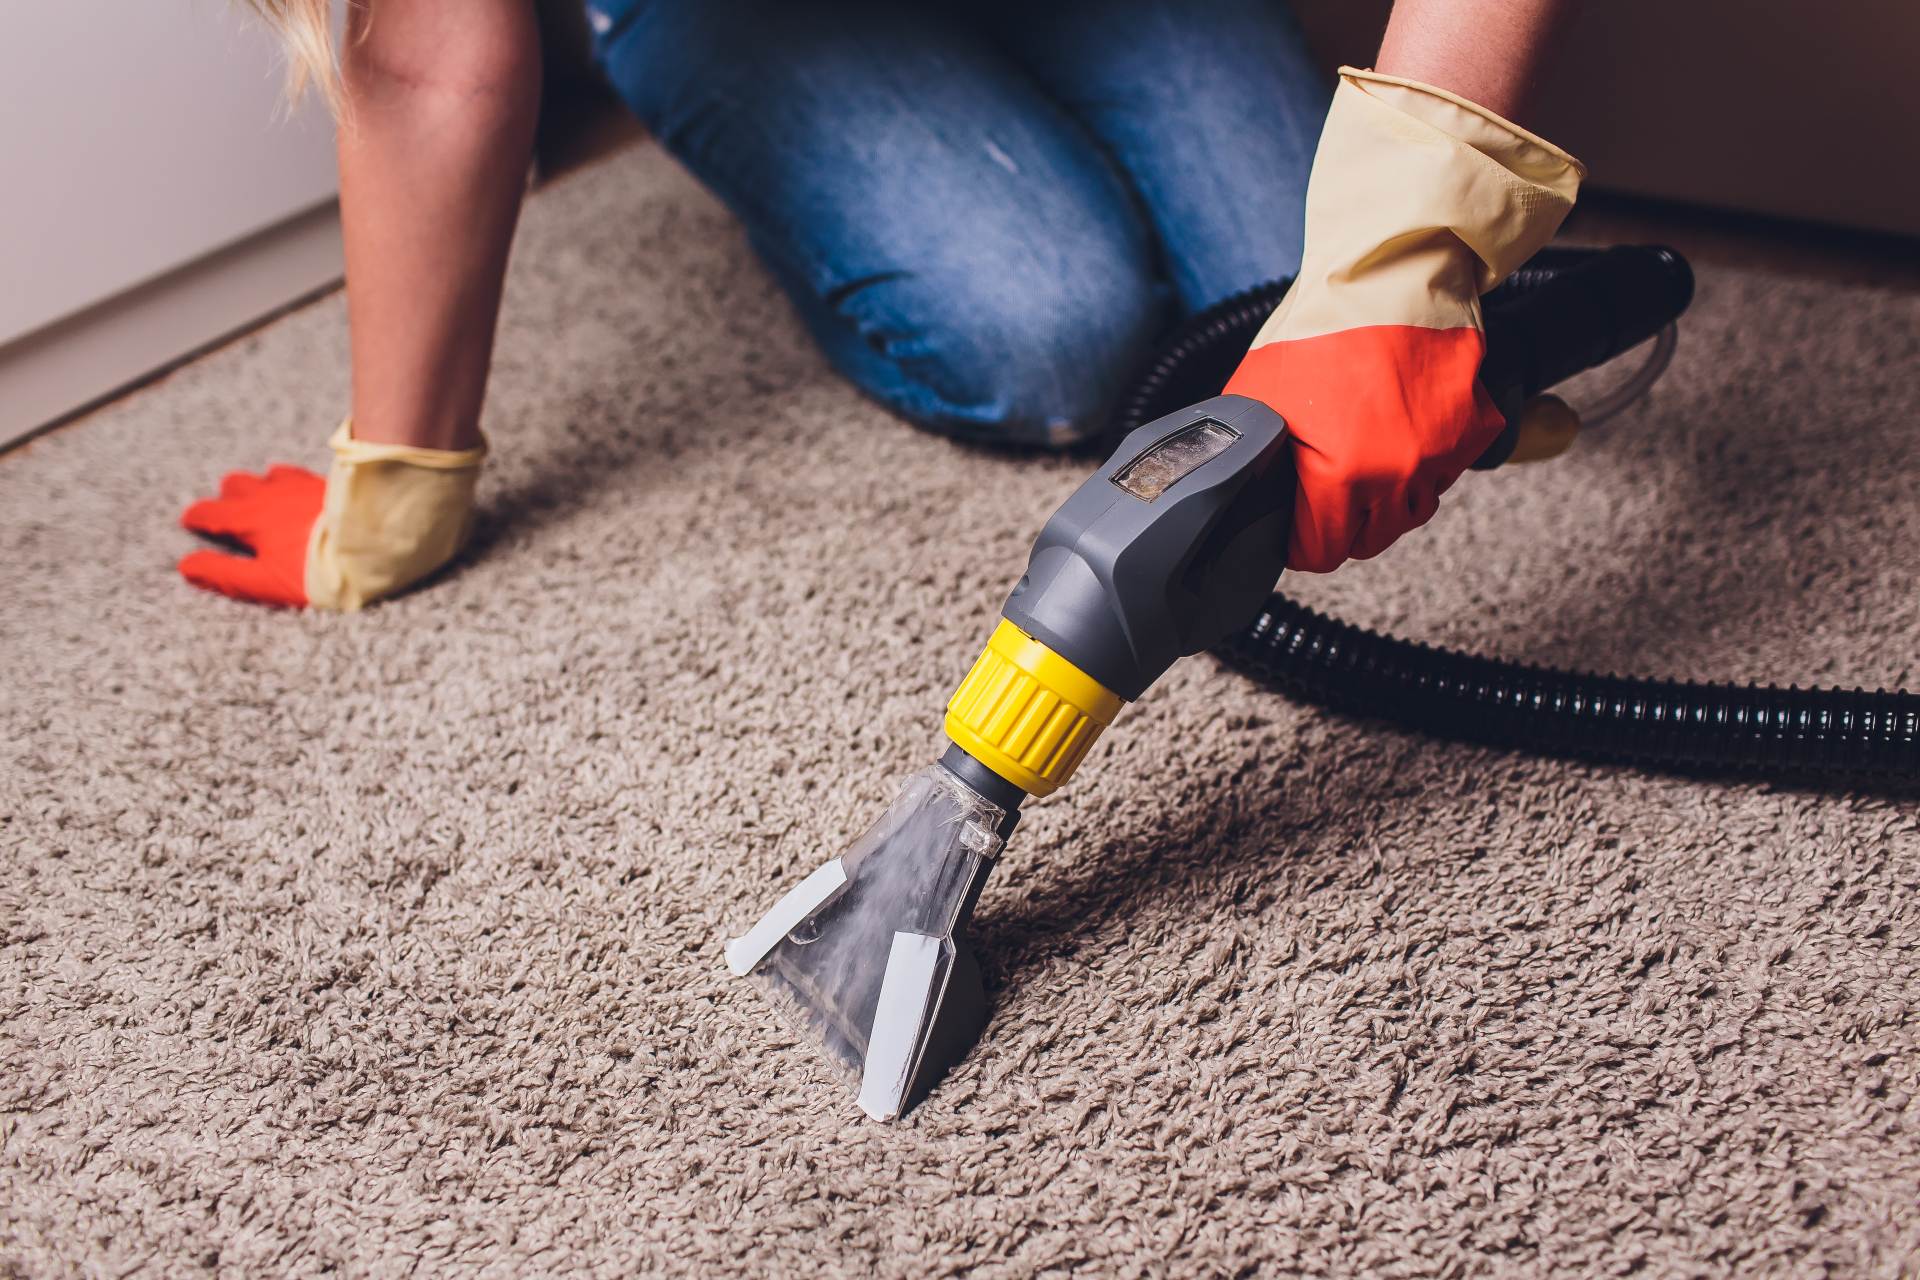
(144,142)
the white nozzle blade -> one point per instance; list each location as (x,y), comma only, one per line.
(801,901)
(896,1023)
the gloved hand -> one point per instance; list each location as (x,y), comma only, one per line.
(385,517)
(1419,203)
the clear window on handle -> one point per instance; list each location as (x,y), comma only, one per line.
(1172,458)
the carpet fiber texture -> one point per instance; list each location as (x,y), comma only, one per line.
(391,943)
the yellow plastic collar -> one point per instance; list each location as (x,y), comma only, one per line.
(1548,428)
(1027,713)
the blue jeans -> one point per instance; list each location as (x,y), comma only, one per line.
(986,213)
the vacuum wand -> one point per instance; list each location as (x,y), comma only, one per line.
(1168,549)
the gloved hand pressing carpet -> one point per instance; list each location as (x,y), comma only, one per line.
(385,517)
(1419,202)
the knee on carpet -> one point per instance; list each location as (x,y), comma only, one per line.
(1031,358)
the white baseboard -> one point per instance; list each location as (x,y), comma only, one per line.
(75,364)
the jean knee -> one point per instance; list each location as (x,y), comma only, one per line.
(1069,355)
(962,250)
(1011,356)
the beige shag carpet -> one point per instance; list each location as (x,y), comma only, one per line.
(389,944)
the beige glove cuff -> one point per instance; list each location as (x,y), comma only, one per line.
(393,514)
(1420,201)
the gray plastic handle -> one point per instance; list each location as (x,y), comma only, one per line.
(1123,586)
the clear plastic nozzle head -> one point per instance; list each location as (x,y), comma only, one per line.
(865,955)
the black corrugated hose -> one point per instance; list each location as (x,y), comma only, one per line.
(1836,733)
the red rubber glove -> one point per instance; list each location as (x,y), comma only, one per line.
(1419,203)
(385,517)
(272,516)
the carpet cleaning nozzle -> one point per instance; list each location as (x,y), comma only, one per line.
(1162,552)
(867,955)
(1169,548)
